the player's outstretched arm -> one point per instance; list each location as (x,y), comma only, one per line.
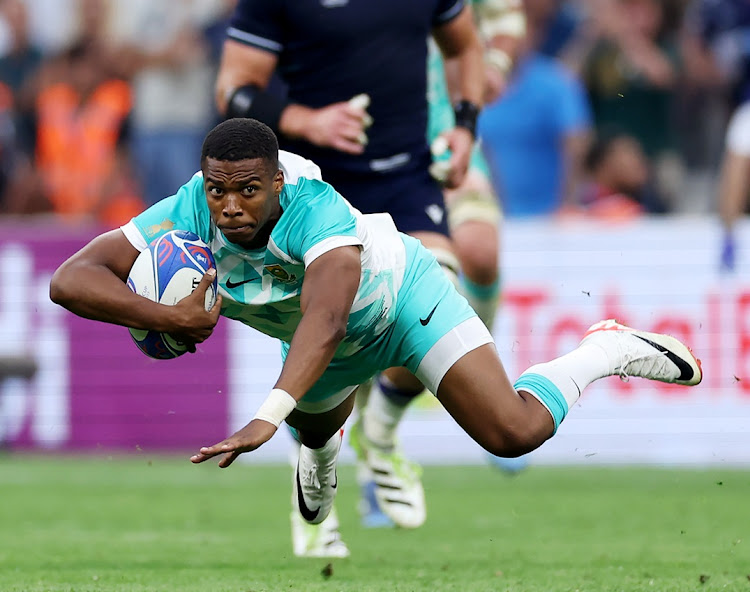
(91,284)
(330,285)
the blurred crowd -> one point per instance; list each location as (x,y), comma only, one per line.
(619,107)
(615,107)
(104,103)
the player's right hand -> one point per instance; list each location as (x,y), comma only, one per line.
(340,126)
(253,435)
(460,142)
(193,323)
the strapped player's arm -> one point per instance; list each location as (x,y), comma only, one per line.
(328,290)
(502,25)
(242,91)
(459,43)
(91,284)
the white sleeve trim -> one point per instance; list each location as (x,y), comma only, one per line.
(131,232)
(451,13)
(329,244)
(256,40)
(738,133)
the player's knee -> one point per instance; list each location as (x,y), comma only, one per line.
(511,440)
(477,248)
(480,265)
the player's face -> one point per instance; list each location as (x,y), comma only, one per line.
(243,197)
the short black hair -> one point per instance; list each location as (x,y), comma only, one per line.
(240,139)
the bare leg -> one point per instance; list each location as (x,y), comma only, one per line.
(477,245)
(485,404)
(314,430)
(474,219)
(512,419)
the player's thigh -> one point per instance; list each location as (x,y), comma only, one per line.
(474,217)
(477,247)
(478,394)
(429,311)
(473,202)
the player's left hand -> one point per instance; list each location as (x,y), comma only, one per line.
(253,435)
(460,142)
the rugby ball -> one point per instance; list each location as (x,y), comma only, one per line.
(166,272)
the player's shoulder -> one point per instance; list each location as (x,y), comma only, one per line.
(305,193)
(192,189)
(296,167)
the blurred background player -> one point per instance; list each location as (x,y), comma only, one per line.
(717,56)
(473,208)
(473,215)
(734,181)
(373,149)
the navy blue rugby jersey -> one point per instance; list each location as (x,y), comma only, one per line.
(332,50)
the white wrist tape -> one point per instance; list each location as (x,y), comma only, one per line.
(499,59)
(277,406)
(507,23)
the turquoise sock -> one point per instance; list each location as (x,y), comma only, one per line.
(543,389)
(479,291)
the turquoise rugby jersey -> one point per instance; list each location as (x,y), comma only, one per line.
(262,287)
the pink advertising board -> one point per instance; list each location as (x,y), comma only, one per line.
(94,389)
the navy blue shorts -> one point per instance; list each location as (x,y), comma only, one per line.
(412,197)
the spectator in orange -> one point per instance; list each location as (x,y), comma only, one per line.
(82,112)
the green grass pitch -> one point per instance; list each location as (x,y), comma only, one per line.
(156,524)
